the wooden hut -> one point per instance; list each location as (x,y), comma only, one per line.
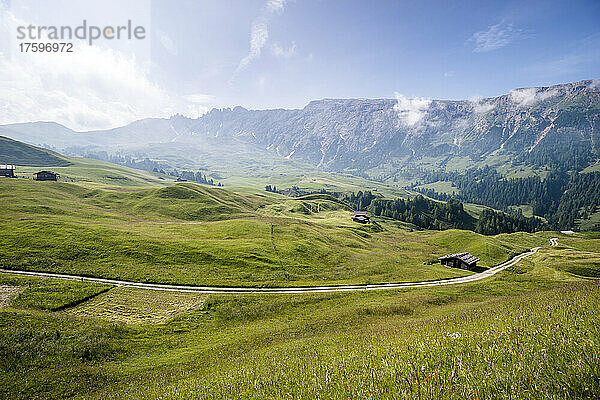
(460,260)
(361,217)
(46,176)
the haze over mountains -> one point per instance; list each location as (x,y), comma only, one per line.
(544,126)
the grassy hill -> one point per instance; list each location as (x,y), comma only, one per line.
(17,153)
(529,331)
(99,174)
(191,234)
(85,172)
(533,330)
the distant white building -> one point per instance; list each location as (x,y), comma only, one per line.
(7,170)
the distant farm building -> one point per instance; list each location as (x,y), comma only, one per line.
(287,192)
(361,216)
(7,171)
(46,176)
(460,260)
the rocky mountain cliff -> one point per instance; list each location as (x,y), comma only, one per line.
(360,134)
(543,126)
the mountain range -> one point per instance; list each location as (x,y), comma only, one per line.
(547,127)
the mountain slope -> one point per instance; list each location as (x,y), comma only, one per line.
(368,136)
(13,152)
(361,134)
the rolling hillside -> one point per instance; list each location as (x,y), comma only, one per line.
(376,138)
(87,172)
(17,153)
(109,341)
(520,151)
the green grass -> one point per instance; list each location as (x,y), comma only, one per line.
(190,234)
(441,187)
(51,295)
(531,332)
(137,306)
(483,352)
(93,174)
(14,152)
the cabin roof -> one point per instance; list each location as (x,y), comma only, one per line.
(467,258)
(7,166)
(360,213)
(46,172)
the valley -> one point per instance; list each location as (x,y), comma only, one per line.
(129,283)
(300,200)
(357,144)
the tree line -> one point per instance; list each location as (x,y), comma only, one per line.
(197,177)
(431,214)
(562,198)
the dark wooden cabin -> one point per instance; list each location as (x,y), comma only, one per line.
(46,176)
(460,260)
(7,171)
(361,217)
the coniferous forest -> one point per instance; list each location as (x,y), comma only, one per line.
(562,198)
(430,214)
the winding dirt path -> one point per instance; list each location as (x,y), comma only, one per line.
(281,290)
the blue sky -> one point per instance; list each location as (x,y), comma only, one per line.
(276,53)
(373,48)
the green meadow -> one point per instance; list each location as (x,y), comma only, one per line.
(189,234)
(531,331)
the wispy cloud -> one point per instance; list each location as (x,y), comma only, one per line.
(530,96)
(275,5)
(282,52)
(496,36)
(167,42)
(481,105)
(259,34)
(93,88)
(411,111)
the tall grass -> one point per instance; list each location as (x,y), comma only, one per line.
(543,345)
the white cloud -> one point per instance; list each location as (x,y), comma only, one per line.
(480,105)
(91,88)
(202,103)
(495,37)
(449,74)
(275,5)
(167,42)
(411,111)
(259,33)
(530,96)
(279,51)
